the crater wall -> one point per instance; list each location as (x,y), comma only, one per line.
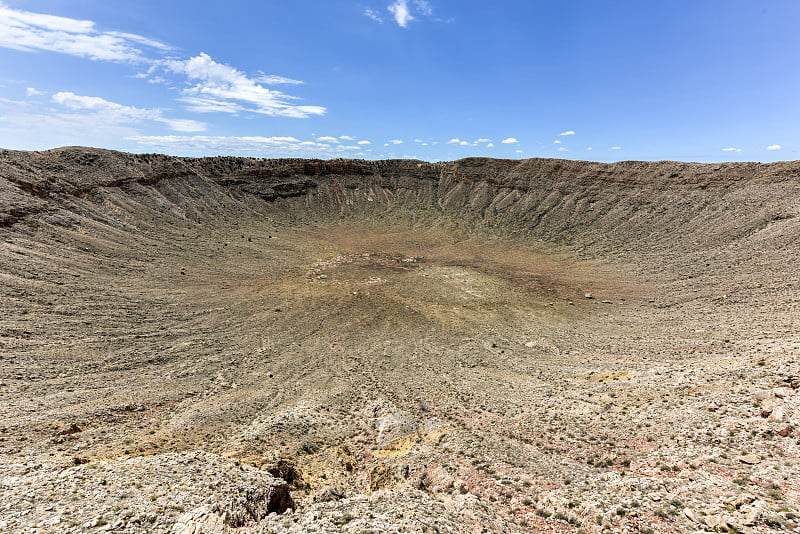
(603,207)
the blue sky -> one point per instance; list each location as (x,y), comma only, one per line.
(699,80)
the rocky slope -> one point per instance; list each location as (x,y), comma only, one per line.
(624,204)
(232,344)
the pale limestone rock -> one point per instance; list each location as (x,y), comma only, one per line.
(778,414)
(692,515)
(750,459)
(201,520)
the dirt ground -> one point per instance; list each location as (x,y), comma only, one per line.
(483,346)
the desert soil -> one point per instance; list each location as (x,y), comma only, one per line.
(235,345)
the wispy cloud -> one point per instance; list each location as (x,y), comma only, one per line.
(202,145)
(114,113)
(364,142)
(66,118)
(731,149)
(615,148)
(216,87)
(271,79)
(347,138)
(210,105)
(557,142)
(396,142)
(24,30)
(568,132)
(774,147)
(401,13)
(563,149)
(327,139)
(38,126)
(222,88)
(509,141)
(424,7)
(405,11)
(373,15)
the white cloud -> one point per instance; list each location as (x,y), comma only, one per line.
(731,149)
(396,142)
(774,147)
(424,7)
(364,143)
(557,142)
(346,138)
(94,121)
(400,12)
(509,141)
(202,145)
(562,149)
(518,151)
(568,132)
(490,145)
(152,43)
(373,15)
(27,31)
(114,113)
(183,125)
(589,148)
(461,142)
(327,139)
(31,91)
(213,87)
(210,105)
(615,148)
(159,80)
(28,125)
(222,88)
(94,103)
(271,79)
